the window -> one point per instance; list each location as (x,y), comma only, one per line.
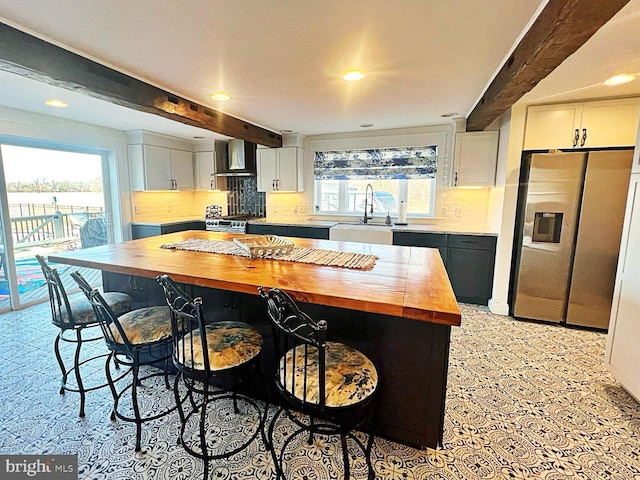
(396,174)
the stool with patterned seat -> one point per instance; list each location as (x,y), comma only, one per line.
(74,317)
(212,359)
(329,382)
(135,339)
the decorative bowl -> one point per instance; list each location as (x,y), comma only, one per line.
(264,245)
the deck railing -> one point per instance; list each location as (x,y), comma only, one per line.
(49,228)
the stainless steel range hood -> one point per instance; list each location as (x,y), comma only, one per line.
(241,159)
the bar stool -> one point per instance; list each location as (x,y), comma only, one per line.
(73,318)
(212,360)
(331,383)
(137,338)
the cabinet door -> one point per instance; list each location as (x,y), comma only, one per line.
(157,168)
(205,167)
(552,126)
(182,169)
(623,354)
(267,169)
(471,274)
(416,239)
(287,178)
(610,123)
(476,154)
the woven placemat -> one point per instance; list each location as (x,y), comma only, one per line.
(316,256)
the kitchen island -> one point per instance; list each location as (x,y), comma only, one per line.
(399,313)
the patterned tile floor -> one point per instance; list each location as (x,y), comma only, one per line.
(524,401)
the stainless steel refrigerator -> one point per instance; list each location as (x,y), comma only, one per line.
(573,209)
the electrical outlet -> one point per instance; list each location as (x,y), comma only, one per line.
(302,208)
(444,212)
(137,209)
(458,212)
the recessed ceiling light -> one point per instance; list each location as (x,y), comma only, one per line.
(221,97)
(54,102)
(619,79)
(366,125)
(353,76)
(447,115)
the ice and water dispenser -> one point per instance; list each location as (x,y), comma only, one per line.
(547,227)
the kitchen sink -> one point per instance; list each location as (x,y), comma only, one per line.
(362,232)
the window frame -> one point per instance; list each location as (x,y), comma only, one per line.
(439,135)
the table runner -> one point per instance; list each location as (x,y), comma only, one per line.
(316,256)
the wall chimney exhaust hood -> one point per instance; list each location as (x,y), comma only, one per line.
(241,159)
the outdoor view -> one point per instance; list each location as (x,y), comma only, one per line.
(55,202)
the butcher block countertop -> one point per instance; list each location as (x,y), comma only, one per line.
(405,282)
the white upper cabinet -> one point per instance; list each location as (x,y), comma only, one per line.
(475,159)
(155,165)
(182,169)
(206,169)
(610,123)
(605,123)
(280,169)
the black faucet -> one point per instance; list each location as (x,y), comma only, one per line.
(366,192)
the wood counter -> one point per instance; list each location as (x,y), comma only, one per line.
(399,313)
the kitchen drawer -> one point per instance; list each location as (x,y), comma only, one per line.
(282,230)
(309,232)
(414,239)
(472,242)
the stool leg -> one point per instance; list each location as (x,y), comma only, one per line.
(345,455)
(63,370)
(203,438)
(136,408)
(76,365)
(112,387)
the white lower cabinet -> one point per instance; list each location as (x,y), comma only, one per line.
(623,340)
(280,169)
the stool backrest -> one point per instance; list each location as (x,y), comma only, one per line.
(103,313)
(300,345)
(61,313)
(186,316)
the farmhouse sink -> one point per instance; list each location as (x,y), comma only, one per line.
(362,232)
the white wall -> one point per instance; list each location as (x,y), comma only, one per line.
(504,202)
(17,126)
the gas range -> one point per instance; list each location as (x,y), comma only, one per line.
(229,223)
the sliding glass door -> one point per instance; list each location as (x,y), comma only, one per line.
(53,200)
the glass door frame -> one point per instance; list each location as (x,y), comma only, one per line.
(9,265)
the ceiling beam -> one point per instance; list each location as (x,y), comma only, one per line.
(31,57)
(562,27)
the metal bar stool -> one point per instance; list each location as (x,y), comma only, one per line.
(330,383)
(213,359)
(138,338)
(74,318)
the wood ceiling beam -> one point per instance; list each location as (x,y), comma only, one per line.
(31,57)
(562,27)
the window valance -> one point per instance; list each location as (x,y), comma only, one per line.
(401,162)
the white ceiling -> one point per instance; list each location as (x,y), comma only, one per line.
(282,61)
